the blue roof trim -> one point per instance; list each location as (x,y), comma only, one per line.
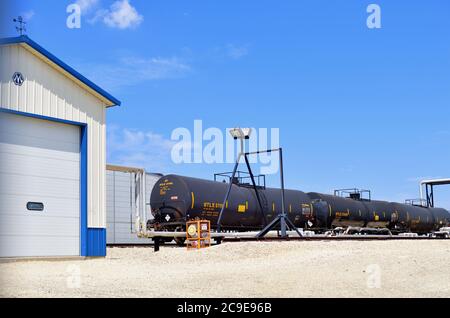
(25,39)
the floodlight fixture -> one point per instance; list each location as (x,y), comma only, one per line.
(241,133)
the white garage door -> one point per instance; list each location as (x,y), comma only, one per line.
(39,167)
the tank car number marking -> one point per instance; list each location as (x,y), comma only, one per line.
(164,187)
(342,214)
(210,214)
(212,206)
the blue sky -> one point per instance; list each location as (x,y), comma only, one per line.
(355,106)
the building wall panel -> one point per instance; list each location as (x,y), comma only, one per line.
(49,91)
(121,208)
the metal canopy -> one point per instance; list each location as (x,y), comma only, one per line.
(436,182)
(429,190)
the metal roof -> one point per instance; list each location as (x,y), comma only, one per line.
(124,169)
(27,41)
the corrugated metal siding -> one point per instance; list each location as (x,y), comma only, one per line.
(150,181)
(121,208)
(110,208)
(96,242)
(48,92)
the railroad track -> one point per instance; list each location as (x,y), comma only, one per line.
(332,238)
(273,237)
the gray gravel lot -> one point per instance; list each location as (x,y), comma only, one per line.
(252,269)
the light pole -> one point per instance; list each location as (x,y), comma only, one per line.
(240,134)
(282,219)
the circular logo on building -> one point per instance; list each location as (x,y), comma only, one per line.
(18,78)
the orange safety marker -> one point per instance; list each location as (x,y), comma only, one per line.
(198,234)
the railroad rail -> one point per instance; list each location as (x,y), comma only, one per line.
(333,238)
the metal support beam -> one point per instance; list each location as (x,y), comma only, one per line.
(219,220)
(432,196)
(429,189)
(282,218)
(156,244)
(252,177)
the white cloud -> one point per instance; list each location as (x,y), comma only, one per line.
(27,15)
(155,68)
(236,52)
(86,5)
(131,70)
(121,15)
(138,148)
(99,15)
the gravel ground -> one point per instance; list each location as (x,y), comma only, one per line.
(272,269)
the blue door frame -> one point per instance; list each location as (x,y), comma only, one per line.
(92,240)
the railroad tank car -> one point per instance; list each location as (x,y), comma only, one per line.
(298,206)
(345,212)
(418,219)
(441,218)
(176,199)
(380,214)
(334,211)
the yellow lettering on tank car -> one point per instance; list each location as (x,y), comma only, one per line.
(164,186)
(342,214)
(212,206)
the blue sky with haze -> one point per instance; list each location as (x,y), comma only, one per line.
(355,106)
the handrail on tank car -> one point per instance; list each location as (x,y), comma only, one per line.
(241,177)
(417,202)
(354,193)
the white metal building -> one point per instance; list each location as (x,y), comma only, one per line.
(52,155)
(128,193)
